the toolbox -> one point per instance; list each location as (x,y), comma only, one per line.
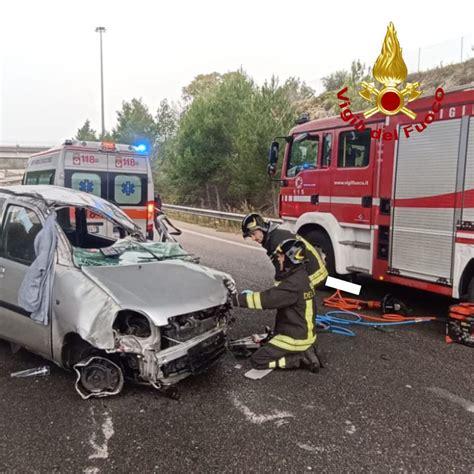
(460,326)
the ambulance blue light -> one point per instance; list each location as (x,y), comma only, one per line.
(141,147)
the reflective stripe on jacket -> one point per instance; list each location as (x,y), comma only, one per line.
(295,302)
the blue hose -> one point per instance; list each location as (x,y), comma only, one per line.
(327,322)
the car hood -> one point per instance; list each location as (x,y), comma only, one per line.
(161,289)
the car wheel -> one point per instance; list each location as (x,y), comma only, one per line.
(322,244)
(98,377)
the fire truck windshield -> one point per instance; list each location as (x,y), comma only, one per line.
(303,154)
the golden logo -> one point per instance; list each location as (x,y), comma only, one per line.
(390,70)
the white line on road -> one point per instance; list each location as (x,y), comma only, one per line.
(466,404)
(102,451)
(249,247)
(309,447)
(350,428)
(259,419)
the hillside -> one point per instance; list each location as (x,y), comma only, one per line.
(448,77)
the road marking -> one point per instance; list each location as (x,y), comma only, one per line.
(249,247)
(351,429)
(310,448)
(101,451)
(466,404)
(259,419)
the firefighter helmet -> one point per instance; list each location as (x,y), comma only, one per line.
(293,250)
(253,222)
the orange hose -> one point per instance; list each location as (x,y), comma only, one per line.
(350,304)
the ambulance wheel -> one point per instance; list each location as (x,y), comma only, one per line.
(323,245)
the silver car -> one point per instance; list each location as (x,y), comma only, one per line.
(110,309)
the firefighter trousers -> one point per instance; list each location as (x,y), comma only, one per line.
(271,357)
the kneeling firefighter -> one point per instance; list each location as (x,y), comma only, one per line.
(293,342)
(269,235)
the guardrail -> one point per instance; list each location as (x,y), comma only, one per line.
(227,216)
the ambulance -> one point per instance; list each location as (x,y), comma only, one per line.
(118,173)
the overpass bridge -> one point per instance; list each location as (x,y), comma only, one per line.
(13,161)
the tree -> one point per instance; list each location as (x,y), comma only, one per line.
(220,153)
(336,80)
(207,142)
(359,72)
(339,79)
(134,124)
(167,123)
(167,119)
(201,85)
(86,132)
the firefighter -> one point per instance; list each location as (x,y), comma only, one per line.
(269,235)
(293,342)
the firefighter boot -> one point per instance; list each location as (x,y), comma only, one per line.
(310,361)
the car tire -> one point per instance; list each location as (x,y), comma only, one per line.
(321,242)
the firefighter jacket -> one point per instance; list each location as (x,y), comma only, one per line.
(295,302)
(314,266)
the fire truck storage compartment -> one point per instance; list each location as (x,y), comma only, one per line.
(424,202)
(468,209)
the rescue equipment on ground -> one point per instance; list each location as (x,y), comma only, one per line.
(395,313)
(460,326)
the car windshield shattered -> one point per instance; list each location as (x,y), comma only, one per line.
(128,251)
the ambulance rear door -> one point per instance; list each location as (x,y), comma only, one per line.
(128,185)
(86,170)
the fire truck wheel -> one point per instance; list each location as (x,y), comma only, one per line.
(323,245)
(470,291)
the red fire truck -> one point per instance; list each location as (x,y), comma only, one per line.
(393,200)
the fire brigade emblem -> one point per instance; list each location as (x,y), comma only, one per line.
(390,70)
(299,182)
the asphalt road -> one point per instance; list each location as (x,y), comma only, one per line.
(387,401)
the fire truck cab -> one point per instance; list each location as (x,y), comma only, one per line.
(394,200)
(118,173)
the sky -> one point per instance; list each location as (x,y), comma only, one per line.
(50,63)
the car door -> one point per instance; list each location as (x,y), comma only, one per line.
(20,225)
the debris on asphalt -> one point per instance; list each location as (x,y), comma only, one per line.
(42,371)
(256,374)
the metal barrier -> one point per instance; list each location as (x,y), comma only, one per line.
(227,216)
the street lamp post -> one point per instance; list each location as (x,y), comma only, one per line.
(100,30)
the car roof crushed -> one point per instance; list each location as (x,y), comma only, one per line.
(57,196)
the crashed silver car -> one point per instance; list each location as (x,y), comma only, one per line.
(109,308)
